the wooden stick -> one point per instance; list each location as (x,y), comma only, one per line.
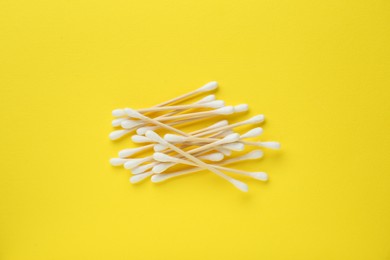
(135,114)
(207,87)
(120,133)
(238,184)
(249,156)
(216,112)
(206,99)
(217,125)
(253,120)
(260,176)
(129,152)
(123,121)
(142,168)
(254,132)
(214,104)
(162,177)
(142,130)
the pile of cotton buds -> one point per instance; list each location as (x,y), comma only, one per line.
(209,148)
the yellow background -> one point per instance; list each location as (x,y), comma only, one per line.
(318,70)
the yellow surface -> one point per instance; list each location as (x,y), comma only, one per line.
(319,71)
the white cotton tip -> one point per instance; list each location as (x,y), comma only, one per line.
(214,157)
(130,123)
(226,133)
(224,151)
(255,154)
(133,163)
(139,177)
(238,147)
(160,177)
(239,185)
(118,112)
(206,99)
(224,110)
(155,137)
(252,133)
(129,152)
(271,145)
(160,157)
(215,104)
(118,134)
(141,139)
(126,153)
(117,122)
(137,170)
(209,86)
(219,124)
(142,130)
(262,176)
(231,138)
(132,113)
(117,161)
(175,138)
(159,147)
(142,168)
(241,108)
(161,167)
(256,119)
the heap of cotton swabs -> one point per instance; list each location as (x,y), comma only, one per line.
(210,148)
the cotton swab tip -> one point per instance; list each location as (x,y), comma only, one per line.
(130,151)
(141,169)
(240,185)
(142,130)
(241,108)
(209,86)
(141,139)
(117,122)
(225,151)
(159,147)
(215,104)
(253,133)
(238,147)
(159,178)
(225,110)
(129,123)
(118,134)
(133,163)
(126,153)
(118,112)
(117,161)
(206,99)
(262,176)
(132,113)
(137,178)
(174,138)
(161,167)
(155,137)
(255,154)
(226,133)
(231,138)
(219,124)
(215,157)
(137,170)
(162,157)
(256,119)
